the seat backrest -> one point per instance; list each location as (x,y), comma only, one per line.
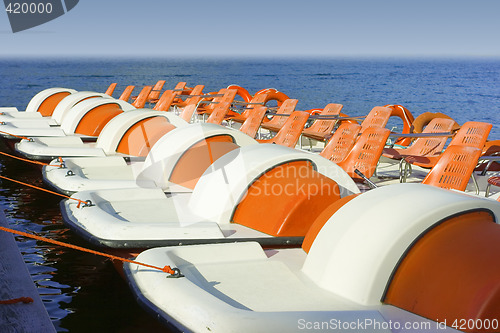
(142,98)
(286,108)
(289,134)
(197,90)
(155,92)
(366,152)
(431,146)
(219,113)
(341,142)
(378,117)
(110,89)
(326,126)
(125,96)
(454,168)
(261,98)
(165,100)
(228,96)
(251,125)
(472,134)
(188,111)
(180,85)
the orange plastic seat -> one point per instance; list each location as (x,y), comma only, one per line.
(471,134)
(197,90)
(228,96)
(321,130)
(451,273)
(254,102)
(290,133)
(110,89)
(377,117)
(253,121)
(155,92)
(286,200)
(125,96)
(141,99)
(366,152)
(341,142)
(166,100)
(454,168)
(425,146)
(219,113)
(277,122)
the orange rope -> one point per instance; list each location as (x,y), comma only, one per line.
(31,161)
(25,300)
(166,269)
(45,190)
(16,136)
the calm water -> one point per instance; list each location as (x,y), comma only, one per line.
(84,293)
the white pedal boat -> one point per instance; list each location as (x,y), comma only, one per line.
(41,106)
(401,258)
(48,107)
(86,119)
(129,133)
(181,152)
(233,200)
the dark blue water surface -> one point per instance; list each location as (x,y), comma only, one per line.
(84,293)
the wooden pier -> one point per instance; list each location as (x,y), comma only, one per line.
(16,282)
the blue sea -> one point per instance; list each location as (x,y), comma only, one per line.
(83,292)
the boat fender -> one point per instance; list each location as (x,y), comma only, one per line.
(407,118)
(422,120)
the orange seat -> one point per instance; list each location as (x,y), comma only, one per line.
(341,142)
(253,121)
(425,146)
(366,152)
(321,130)
(451,273)
(141,99)
(153,95)
(454,168)
(471,134)
(155,92)
(125,96)
(111,89)
(219,113)
(289,134)
(377,117)
(197,90)
(254,102)
(277,122)
(228,96)
(166,100)
(286,200)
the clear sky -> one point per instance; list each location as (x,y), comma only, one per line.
(272,28)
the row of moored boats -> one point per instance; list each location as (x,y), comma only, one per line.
(277,219)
